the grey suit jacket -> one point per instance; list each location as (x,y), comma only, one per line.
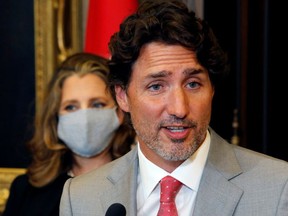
(236,181)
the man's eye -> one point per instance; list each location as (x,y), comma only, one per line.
(155,87)
(193,85)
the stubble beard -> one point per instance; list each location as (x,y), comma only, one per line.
(179,151)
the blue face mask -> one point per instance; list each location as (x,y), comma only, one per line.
(87,132)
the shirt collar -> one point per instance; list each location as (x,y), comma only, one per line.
(189,172)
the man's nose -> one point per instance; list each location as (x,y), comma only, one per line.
(178,103)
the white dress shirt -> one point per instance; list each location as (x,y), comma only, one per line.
(189,173)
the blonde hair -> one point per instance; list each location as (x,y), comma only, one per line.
(51,157)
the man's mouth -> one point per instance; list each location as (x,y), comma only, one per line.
(176,129)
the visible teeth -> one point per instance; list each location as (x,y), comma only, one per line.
(176,129)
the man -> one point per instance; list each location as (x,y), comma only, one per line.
(164,68)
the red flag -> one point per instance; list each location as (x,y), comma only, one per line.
(104,18)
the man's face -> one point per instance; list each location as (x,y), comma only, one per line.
(169,98)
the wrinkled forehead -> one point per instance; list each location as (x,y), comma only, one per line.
(162,59)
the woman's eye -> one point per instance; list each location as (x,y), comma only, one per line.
(98,105)
(70,108)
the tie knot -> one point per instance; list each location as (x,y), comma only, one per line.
(169,189)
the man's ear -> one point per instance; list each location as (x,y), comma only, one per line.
(121,98)
(120,115)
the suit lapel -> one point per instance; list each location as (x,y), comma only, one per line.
(123,178)
(216,194)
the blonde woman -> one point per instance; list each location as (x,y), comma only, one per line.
(80,129)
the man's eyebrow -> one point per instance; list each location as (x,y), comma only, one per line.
(193,71)
(164,73)
(158,74)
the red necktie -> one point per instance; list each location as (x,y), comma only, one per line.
(169,189)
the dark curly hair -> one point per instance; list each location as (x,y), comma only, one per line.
(168,22)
